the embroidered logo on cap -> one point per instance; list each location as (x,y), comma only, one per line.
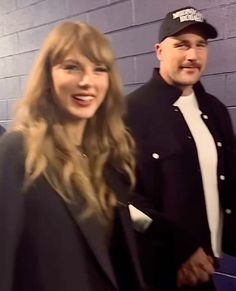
(189,14)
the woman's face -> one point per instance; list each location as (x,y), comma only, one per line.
(80,86)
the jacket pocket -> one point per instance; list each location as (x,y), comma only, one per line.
(160,147)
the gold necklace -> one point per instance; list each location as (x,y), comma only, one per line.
(82,152)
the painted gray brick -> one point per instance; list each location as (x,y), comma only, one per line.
(153,10)
(135,40)
(204,4)
(24,3)
(23,82)
(231,21)
(222,56)
(49,11)
(2,68)
(19,64)
(231,89)
(9,88)
(1,26)
(3,110)
(6,6)
(8,45)
(11,104)
(34,15)
(18,20)
(127,70)
(217,17)
(130,88)
(215,85)
(32,39)
(232,112)
(112,1)
(112,17)
(79,17)
(81,6)
(144,67)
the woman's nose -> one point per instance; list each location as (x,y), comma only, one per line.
(85,80)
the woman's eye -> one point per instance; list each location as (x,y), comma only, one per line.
(101,69)
(71,67)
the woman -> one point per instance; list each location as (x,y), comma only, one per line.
(66,168)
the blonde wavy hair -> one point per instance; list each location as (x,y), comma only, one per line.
(48,146)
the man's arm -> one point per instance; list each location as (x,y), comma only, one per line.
(197,269)
(2,130)
(166,250)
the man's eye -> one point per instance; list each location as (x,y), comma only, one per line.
(181,45)
(202,44)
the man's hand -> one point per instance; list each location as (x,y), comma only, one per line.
(196,270)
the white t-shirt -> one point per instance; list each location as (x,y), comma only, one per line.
(208,159)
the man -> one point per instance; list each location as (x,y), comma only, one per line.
(2,130)
(186,153)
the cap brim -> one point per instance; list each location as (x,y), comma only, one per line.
(207,29)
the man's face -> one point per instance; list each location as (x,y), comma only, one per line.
(183,58)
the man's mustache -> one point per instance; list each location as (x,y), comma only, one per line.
(191,65)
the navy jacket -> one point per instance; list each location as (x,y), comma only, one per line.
(168,170)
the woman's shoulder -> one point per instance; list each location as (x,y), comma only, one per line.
(11,144)
(11,138)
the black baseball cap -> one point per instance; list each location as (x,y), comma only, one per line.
(179,19)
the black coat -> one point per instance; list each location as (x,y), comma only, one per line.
(45,246)
(168,169)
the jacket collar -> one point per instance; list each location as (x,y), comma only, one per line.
(169,93)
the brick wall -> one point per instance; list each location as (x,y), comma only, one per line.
(132,26)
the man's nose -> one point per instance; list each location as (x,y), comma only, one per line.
(192,54)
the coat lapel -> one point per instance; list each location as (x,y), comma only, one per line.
(121,188)
(92,231)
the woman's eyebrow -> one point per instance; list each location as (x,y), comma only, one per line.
(71,61)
